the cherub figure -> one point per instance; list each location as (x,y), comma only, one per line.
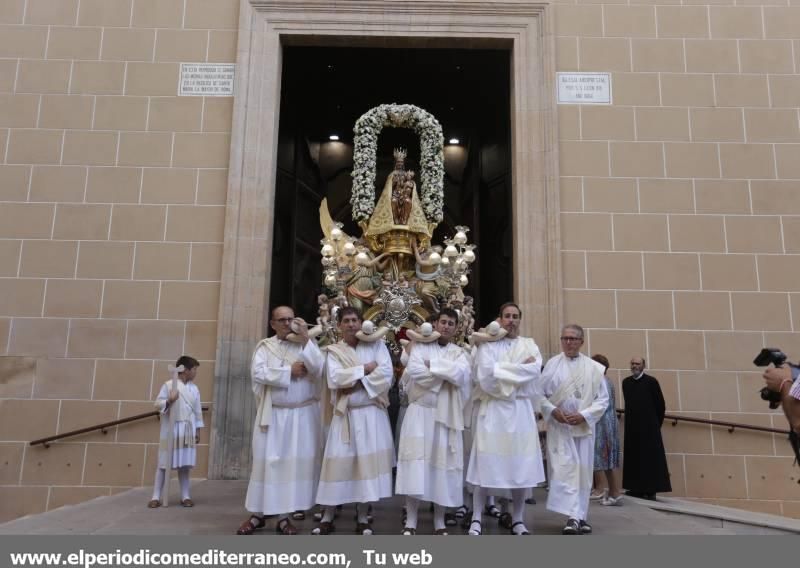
(427,272)
(324,310)
(468,316)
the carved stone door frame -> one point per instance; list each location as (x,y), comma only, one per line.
(524,28)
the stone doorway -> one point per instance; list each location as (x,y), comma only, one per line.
(266,27)
(323,92)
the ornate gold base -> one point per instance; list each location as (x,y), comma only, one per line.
(398,241)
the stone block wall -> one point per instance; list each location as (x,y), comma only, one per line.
(680,204)
(112,208)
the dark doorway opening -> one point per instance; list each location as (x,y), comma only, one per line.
(323,92)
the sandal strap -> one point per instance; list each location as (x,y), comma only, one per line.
(286,527)
(248,527)
(517,524)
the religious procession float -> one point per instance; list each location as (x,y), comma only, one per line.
(393,273)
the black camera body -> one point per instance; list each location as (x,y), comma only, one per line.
(765,357)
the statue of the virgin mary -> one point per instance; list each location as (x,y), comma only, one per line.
(398,218)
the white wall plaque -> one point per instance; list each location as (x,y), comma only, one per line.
(206,79)
(584,88)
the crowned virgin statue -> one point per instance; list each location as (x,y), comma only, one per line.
(398,218)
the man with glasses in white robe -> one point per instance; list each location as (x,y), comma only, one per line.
(575,398)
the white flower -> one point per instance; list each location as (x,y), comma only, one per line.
(367,129)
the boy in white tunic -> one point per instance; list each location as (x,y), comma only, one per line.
(286,371)
(430,454)
(184,403)
(505,448)
(359,453)
(575,398)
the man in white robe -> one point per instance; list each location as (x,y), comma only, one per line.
(505,448)
(286,372)
(431,454)
(575,398)
(359,453)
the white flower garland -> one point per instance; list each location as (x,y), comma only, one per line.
(367,129)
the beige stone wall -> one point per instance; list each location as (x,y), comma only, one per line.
(112,194)
(680,209)
(680,222)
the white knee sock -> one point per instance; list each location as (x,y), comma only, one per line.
(438,517)
(183,478)
(412,510)
(518,509)
(478,501)
(327,515)
(517,504)
(361,512)
(159,483)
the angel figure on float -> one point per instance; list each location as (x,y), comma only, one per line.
(427,272)
(364,281)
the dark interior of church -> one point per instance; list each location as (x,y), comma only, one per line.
(324,90)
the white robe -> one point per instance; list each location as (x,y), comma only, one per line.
(403,402)
(359,469)
(570,449)
(430,455)
(288,452)
(189,417)
(505,448)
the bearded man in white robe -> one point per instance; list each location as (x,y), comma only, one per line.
(505,447)
(287,374)
(359,453)
(430,461)
(575,398)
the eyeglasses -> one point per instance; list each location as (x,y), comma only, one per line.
(283,320)
(572,339)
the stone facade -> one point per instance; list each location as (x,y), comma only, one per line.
(667,222)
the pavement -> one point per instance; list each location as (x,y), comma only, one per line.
(219,511)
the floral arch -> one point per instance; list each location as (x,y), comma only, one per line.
(367,129)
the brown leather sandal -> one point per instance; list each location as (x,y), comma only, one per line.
(154,504)
(248,527)
(324,528)
(505,520)
(285,527)
(441,532)
(298,516)
(187,503)
(408,531)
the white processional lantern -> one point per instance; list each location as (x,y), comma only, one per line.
(457,257)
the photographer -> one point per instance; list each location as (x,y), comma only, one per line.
(781,380)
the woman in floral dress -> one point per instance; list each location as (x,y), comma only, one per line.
(606,449)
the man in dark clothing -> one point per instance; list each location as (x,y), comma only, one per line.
(644,466)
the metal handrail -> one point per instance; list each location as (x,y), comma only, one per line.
(731,425)
(102,427)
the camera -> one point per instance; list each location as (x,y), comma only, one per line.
(778,358)
(765,357)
